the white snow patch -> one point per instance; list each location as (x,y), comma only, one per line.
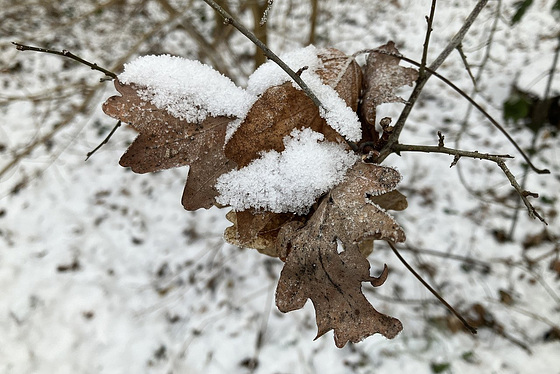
(289,181)
(337,114)
(270,74)
(187,89)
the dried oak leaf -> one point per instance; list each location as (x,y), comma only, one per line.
(257,229)
(392,200)
(280,109)
(273,116)
(316,269)
(165,141)
(383,75)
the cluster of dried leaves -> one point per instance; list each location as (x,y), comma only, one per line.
(324,251)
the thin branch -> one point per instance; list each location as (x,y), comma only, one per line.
(451,256)
(441,299)
(552,69)
(429,29)
(455,41)
(18,156)
(105,141)
(526,312)
(271,55)
(28,149)
(498,159)
(466,63)
(65,53)
(473,103)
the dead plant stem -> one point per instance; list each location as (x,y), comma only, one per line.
(455,41)
(429,29)
(498,159)
(441,299)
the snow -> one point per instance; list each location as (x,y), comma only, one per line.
(191,90)
(289,181)
(335,111)
(187,89)
(158,291)
(270,74)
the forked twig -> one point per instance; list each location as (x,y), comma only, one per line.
(498,159)
(494,122)
(480,109)
(455,41)
(434,292)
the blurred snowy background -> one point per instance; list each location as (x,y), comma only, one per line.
(102,271)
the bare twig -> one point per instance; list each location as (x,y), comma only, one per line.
(271,55)
(429,29)
(20,155)
(48,136)
(526,312)
(552,69)
(498,159)
(232,21)
(65,53)
(476,105)
(485,265)
(474,91)
(455,41)
(105,141)
(466,63)
(535,135)
(441,299)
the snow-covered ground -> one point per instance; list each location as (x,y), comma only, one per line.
(103,271)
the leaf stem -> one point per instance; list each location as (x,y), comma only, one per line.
(434,292)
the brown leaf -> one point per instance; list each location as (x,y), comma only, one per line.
(165,142)
(257,230)
(383,76)
(393,200)
(283,108)
(342,73)
(323,259)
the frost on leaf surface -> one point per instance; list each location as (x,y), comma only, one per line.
(315,269)
(287,181)
(165,141)
(187,89)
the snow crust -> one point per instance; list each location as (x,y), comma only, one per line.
(187,89)
(289,181)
